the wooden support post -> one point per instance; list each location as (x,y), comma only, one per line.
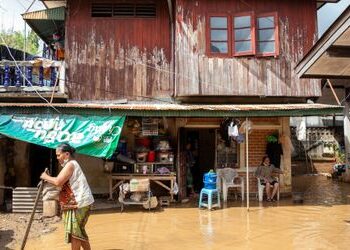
(286,180)
(2,168)
(247,161)
(347,132)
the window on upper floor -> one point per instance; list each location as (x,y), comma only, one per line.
(219,35)
(122,9)
(251,35)
(267,37)
(243,35)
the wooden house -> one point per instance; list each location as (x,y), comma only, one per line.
(191,64)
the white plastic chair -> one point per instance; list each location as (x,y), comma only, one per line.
(262,187)
(226,178)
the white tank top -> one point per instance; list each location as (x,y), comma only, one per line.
(80,187)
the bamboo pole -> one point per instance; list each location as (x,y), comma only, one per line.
(41,186)
(246,161)
(333,92)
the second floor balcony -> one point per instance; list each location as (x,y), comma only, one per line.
(25,79)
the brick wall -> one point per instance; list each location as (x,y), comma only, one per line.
(257,145)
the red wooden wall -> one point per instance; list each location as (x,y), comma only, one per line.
(112,58)
(200,74)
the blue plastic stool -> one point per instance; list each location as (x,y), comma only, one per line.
(210,193)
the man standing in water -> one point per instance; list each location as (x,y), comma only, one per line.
(75,197)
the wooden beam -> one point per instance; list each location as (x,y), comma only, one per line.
(321,46)
(339,51)
(322,75)
(334,94)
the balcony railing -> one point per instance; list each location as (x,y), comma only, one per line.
(28,76)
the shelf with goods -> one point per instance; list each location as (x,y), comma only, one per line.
(153,167)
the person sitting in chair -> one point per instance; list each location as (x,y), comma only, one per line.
(264,173)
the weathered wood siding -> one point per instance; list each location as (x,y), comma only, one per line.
(198,74)
(111,58)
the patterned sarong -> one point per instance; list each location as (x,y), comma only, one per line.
(74,223)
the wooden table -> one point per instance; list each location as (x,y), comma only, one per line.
(157,178)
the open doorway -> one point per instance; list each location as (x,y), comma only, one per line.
(202,146)
(41,158)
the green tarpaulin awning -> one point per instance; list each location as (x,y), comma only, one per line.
(91,135)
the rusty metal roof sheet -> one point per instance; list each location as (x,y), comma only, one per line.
(177,110)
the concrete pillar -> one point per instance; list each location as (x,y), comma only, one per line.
(21,163)
(2,168)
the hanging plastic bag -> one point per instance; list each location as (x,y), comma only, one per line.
(176,188)
(232,130)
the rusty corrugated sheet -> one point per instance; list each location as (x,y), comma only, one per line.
(175,106)
(177,110)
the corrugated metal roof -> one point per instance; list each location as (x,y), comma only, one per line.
(46,22)
(47,14)
(176,110)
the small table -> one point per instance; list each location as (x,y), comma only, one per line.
(157,178)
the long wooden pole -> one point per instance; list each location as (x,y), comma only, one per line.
(41,185)
(246,161)
(333,92)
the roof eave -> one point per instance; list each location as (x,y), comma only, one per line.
(327,39)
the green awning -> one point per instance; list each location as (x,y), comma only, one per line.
(91,135)
(46,22)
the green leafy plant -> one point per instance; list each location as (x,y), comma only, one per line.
(15,40)
(339,154)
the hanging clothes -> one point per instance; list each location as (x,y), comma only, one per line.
(224,132)
(274,151)
(301,129)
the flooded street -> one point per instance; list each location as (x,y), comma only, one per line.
(321,222)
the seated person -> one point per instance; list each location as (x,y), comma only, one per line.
(264,172)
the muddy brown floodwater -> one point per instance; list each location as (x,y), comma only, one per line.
(321,222)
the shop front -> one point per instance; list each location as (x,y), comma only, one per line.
(154,141)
